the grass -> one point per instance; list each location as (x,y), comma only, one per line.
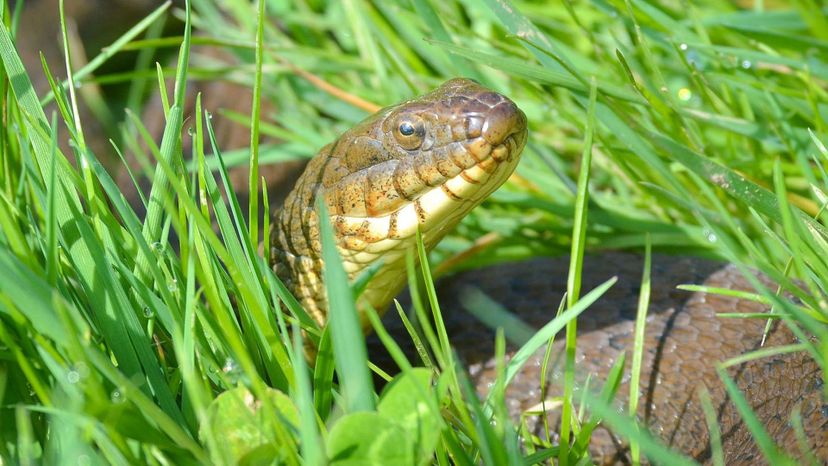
(689,129)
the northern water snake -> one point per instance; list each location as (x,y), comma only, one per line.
(427,162)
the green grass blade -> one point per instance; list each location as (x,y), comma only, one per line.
(346,334)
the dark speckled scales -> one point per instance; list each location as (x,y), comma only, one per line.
(684,341)
(294,240)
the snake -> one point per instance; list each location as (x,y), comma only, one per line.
(425,163)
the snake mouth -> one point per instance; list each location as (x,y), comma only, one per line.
(436,209)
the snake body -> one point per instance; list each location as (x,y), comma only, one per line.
(427,162)
(684,341)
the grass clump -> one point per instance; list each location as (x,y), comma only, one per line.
(691,129)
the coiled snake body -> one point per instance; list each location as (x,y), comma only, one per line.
(426,163)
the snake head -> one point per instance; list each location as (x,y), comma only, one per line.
(419,165)
(426,161)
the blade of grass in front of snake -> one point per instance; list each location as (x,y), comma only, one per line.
(361,281)
(421,349)
(323,374)
(350,354)
(769,449)
(715,431)
(730,249)
(431,292)
(419,308)
(739,294)
(278,287)
(310,441)
(638,342)
(763,353)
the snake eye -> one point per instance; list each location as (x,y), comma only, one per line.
(409,132)
(406,128)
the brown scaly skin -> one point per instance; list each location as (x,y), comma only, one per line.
(684,341)
(379,184)
(465,133)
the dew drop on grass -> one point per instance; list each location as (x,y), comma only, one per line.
(710,236)
(117,396)
(190,131)
(173,285)
(77,372)
(232,370)
(158,247)
(695,60)
(230,365)
(746,64)
(147,312)
(683,46)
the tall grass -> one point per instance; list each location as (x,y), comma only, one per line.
(696,129)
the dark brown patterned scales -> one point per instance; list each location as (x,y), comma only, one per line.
(684,342)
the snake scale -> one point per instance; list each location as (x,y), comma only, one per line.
(427,162)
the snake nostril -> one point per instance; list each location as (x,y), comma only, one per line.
(503,120)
